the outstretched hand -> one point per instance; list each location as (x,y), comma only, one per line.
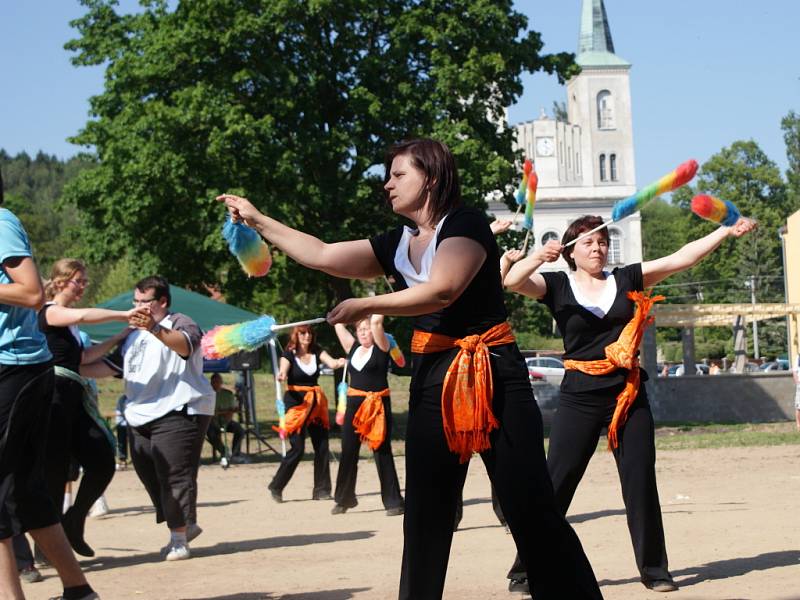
(551,251)
(512,256)
(497,226)
(348,311)
(241,209)
(742,226)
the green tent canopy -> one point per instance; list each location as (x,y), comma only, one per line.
(207,313)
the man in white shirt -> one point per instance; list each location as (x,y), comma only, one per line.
(169,406)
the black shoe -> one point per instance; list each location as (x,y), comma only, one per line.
(338,509)
(395,511)
(276,495)
(661,585)
(519,585)
(74,532)
(322,496)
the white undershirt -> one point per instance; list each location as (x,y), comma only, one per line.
(403,263)
(602,305)
(310,368)
(361,358)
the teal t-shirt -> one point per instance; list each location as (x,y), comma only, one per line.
(21,342)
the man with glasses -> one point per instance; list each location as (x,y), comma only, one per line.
(169,406)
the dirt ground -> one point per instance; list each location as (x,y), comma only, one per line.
(731,519)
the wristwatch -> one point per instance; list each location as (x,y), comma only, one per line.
(155,329)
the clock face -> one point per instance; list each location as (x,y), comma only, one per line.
(544,146)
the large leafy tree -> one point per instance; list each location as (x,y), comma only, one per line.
(293,104)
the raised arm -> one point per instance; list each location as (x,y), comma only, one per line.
(455,264)
(64,316)
(378,332)
(329,361)
(507,260)
(351,260)
(346,338)
(654,271)
(25,289)
(523,278)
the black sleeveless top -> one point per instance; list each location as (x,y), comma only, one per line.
(64,346)
(373,375)
(297,376)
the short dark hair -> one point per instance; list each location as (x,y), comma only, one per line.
(577,227)
(438,164)
(158,284)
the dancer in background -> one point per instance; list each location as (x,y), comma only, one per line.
(368,416)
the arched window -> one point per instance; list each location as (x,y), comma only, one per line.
(612,166)
(614,246)
(550,235)
(605,110)
(602,167)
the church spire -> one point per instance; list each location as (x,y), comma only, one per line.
(595,46)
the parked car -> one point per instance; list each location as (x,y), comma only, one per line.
(678,370)
(781,364)
(550,367)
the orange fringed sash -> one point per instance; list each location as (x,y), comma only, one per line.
(622,354)
(370,419)
(309,411)
(468,389)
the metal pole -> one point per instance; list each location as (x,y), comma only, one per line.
(278,389)
(756,353)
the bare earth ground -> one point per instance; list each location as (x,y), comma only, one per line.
(731,518)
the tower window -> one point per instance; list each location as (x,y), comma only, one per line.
(614,247)
(612,166)
(550,235)
(602,167)
(605,110)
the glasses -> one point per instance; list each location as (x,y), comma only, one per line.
(83,282)
(142,301)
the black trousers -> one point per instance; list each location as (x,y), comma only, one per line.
(74,435)
(22,552)
(322,464)
(166,456)
(26,392)
(348,464)
(122,442)
(214,436)
(516,465)
(573,440)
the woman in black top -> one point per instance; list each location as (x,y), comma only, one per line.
(306,411)
(446,270)
(592,307)
(368,364)
(75,431)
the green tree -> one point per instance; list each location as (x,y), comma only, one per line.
(292,104)
(790,125)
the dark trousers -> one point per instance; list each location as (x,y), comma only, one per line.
(322,465)
(22,552)
(26,392)
(74,435)
(214,435)
(516,465)
(122,442)
(166,456)
(348,465)
(573,440)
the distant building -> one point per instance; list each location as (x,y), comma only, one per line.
(586,164)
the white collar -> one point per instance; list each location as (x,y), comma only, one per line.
(360,359)
(403,263)
(602,305)
(310,368)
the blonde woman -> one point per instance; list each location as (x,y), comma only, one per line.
(76,429)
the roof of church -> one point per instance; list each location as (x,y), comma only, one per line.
(595,46)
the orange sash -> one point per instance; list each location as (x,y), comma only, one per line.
(468,389)
(622,354)
(309,411)
(370,420)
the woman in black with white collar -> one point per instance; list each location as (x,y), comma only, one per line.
(469,388)
(368,414)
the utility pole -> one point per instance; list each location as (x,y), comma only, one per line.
(752,286)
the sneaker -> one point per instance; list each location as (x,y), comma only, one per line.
(121,466)
(90,596)
(519,585)
(661,585)
(238,459)
(73,529)
(276,495)
(99,508)
(223,462)
(338,509)
(30,575)
(395,511)
(178,552)
(322,496)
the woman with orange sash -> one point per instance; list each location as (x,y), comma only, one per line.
(306,411)
(368,415)
(601,316)
(469,390)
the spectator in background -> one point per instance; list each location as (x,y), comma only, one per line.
(122,433)
(226,406)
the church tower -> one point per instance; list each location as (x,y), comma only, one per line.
(586,163)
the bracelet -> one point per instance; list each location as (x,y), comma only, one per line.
(155,329)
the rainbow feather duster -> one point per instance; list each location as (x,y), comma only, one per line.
(248,247)
(395,352)
(680,176)
(341,400)
(716,210)
(225,340)
(522,192)
(530,197)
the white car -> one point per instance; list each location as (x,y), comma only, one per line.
(550,367)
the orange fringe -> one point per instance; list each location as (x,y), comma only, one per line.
(314,409)
(468,389)
(622,354)
(370,419)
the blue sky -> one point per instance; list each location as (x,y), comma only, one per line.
(704,74)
